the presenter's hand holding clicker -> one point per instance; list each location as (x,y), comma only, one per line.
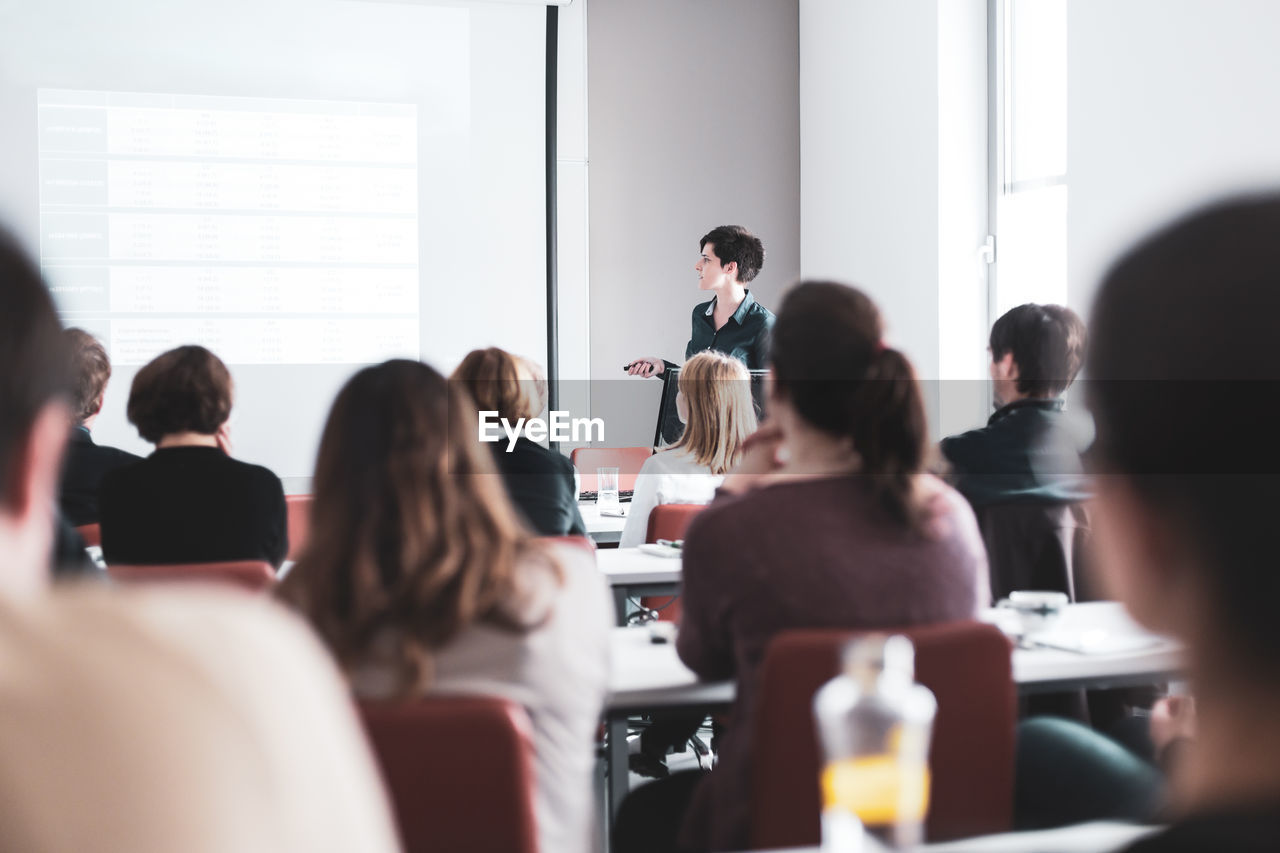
(645,367)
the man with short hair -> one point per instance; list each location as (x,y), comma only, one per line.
(1026,452)
(87,462)
(1022,471)
(150,720)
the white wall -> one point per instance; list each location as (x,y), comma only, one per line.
(1169,104)
(893,165)
(694,123)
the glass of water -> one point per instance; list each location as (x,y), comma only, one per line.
(607,488)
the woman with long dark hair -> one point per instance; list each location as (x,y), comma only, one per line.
(828,521)
(421,578)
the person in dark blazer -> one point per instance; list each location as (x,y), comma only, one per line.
(540,482)
(189,501)
(86,462)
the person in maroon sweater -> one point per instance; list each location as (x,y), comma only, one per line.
(828,521)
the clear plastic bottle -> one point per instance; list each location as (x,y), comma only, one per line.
(875,722)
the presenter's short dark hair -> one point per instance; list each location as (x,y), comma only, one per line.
(90,369)
(33,363)
(187,389)
(735,244)
(1047,342)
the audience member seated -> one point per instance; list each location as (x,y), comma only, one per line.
(714,403)
(189,501)
(150,721)
(1022,471)
(1183,393)
(421,578)
(827,521)
(540,482)
(86,462)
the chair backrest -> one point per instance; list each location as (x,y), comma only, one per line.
(626,459)
(968,667)
(585,542)
(298,519)
(91,534)
(670,521)
(459,771)
(254,575)
(1036,546)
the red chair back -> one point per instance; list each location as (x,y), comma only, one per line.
(576,541)
(459,771)
(253,575)
(670,521)
(298,519)
(626,459)
(91,534)
(968,667)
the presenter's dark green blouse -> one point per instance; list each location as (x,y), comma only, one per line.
(744,337)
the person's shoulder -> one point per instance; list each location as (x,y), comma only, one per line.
(215,679)
(673,461)
(124,475)
(702,308)
(531,457)
(580,590)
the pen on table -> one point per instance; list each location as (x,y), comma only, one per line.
(672,543)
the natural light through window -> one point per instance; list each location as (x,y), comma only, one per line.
(1031,185)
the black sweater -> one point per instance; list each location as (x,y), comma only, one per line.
(82,472)
(540,483)
(192,505)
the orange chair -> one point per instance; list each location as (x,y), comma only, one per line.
(459,771)
(668,521)
(968,667)
(253,575)
(91,534)
(626,459)
(298,521)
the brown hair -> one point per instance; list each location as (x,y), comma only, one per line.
(498,382)
(830,362)
(90,371)
(33,363)
(187,389)
(413,537)
(717,390)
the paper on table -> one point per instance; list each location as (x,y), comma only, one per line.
(661,551)
(1097,641)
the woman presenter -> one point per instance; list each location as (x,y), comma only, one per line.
(732,322)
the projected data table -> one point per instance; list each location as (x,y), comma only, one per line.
(272,231)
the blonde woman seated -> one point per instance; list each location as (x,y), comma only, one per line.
(714,402)
(421,579)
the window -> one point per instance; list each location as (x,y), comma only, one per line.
(1028,63)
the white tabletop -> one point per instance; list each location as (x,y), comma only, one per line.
(649,675)
(1099,837)
(633,567)
(602,528)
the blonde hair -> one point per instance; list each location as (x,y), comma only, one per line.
(717,390)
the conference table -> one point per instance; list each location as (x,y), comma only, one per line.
(1095,645)
(635,572)
(602,529)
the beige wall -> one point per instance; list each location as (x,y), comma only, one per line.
(694,121)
